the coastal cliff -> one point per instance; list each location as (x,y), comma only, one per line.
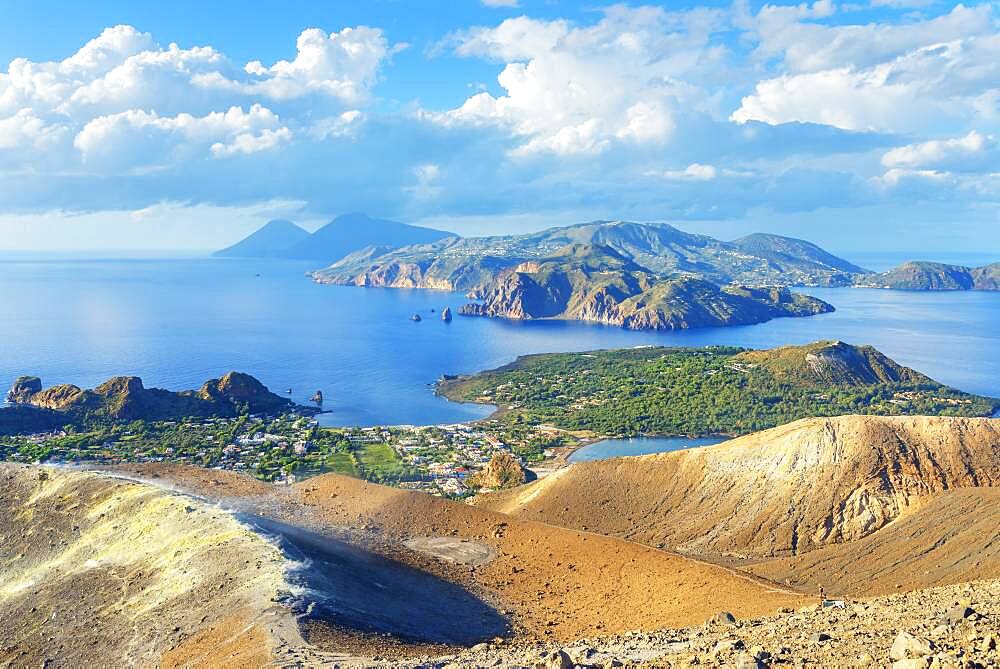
(126,398)
(596,284)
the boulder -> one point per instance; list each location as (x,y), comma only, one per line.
(956,614)
(555,660)
(722,618)
(907,646)
(446,315)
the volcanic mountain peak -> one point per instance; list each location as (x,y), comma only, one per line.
(788,490)
(833,362)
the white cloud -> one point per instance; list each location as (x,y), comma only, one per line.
(572,90)
(427,176)
(956,154)
(121,92)
(923,76)
(24,129)
(138,138)
(342,64)
(935,86)
(806,45)
(597,116)
(341,125)
(693,172)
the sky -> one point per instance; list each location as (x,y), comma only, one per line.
(182,126)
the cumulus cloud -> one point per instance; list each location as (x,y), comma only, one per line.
(572,90)
(138,137)
(627,112)
(122,99)
(343,65)
(25,130)
(932,75)
(955,154)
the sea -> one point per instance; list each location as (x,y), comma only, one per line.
(176,322)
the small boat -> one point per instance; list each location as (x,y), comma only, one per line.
(416,318)
(289,391)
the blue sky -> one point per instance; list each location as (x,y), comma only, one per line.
(859,125)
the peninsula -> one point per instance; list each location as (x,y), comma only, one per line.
(706,391)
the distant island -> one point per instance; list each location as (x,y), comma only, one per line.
(470,264)
(340,237)
(596,284)
(707,391)
(927,276)
(125,398)
(633,275)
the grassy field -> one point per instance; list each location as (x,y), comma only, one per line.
(342,463)
(380,462)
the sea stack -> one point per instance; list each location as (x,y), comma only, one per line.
(416,318)
(446,315)
(22,390)
(317,398)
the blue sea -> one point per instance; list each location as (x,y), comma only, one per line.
(178,322)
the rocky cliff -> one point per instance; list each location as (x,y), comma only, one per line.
(597,284)
(125,398)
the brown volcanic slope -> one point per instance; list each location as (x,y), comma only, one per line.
(955,538)
(803,486)
(556,583)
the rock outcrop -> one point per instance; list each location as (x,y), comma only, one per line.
(24,387)
(598,285)
(503,471)
(446,315)
(125,398)
(834,363)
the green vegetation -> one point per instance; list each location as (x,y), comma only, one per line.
(379,462)
(717,390)
(268,449)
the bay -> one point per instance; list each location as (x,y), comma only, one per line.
(178,322)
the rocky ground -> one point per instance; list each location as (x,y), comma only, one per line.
(953,626)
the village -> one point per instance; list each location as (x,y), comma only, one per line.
(437,459)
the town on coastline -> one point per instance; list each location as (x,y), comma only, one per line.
(547,406)
(439,459)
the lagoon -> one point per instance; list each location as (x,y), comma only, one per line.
(617,448)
